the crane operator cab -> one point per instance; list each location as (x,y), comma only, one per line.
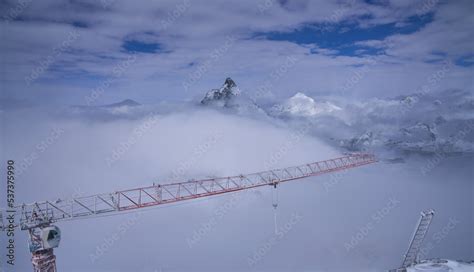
(44,238)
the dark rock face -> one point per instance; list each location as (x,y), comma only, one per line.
(229,83)
(222,95)
(231,99)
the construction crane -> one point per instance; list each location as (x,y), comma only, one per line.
(37,218)
(412,256)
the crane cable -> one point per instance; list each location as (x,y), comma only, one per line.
(275,205)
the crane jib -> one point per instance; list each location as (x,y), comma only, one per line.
(46,212)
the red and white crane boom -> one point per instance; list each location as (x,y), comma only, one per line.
(38,213)
(38,217)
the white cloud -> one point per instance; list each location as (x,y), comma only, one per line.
(333,207)
(192,36)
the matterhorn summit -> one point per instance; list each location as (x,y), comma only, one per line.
(223,95)
(230,97)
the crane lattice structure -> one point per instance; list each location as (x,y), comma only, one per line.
(37,218)
(411,257)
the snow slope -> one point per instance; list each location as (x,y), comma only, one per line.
(441,266)
(303,105)
(433,123)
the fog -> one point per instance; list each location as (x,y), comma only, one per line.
(358,220)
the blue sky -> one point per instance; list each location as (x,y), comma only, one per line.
(61,52)
(343,36)
(141,47)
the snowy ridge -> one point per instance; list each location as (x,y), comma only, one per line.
(124,103)
(127,108)
(435,123)
(431,123)
(441,266)
(303,105)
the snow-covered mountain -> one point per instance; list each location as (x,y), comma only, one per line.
(126,108)
(429,123)
(222,96)
(426,123)
(230,97)
(124,103)
(303,105)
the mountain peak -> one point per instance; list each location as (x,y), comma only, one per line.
(300,95)
(228,90)
(302,105)
(229,83)
(126,102)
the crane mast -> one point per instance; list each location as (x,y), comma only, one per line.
(37,218)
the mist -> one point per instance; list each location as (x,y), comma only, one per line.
(358,220)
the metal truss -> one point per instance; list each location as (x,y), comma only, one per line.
(411,257)
(46,212)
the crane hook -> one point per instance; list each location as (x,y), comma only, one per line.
(275,196)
